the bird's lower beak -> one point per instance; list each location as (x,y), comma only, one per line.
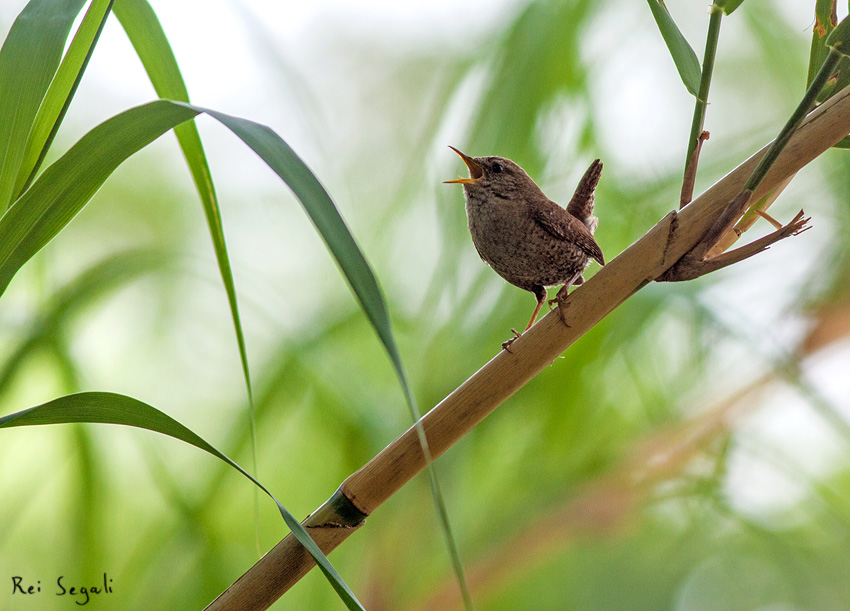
(475,170)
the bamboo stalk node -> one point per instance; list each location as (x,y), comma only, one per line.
(344,513)
(672,228)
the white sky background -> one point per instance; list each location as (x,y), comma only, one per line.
(226,70)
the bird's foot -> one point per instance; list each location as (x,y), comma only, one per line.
(506,345)
(561,300)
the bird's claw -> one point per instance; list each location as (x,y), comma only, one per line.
(560,300)
(506,345)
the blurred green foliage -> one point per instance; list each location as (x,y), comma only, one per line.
(557,498)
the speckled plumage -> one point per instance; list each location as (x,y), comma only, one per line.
(528,239)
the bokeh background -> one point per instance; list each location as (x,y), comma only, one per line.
(692,452)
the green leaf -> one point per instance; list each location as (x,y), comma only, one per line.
(148,39)
(325,216)
(839,38)
(683,55)
(824,37)
(728,6)
(825,21)
(806,104)
(28,60)
(61,91)
(111,408)
(61,191)
(830,36)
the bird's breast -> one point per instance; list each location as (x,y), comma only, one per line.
(498,229)
(508,239)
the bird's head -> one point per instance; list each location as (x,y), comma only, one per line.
(501,177)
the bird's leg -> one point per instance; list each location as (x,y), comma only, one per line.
(540,295)
(506,345)
(561,296)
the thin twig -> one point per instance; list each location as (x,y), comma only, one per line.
(698,135)
(776,224)
(691,172)
(728,239)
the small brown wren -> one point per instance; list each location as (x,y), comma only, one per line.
(528,239)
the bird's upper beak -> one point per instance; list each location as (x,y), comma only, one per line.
(475,169)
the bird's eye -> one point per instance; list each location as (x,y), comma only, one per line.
(497,168)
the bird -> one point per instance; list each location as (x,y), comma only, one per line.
(526,238)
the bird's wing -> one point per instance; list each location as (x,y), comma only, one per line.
(557,222)
(581,204)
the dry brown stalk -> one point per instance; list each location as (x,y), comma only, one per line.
(691,172)
(641,263)
(732,236)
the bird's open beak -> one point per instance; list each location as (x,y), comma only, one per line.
(475,170)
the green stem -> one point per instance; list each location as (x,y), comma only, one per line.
(705,81)
(823,75)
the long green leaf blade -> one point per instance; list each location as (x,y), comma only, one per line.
(28,60)
(826,22)
(322,211)
(151,44)
(325,216)
(148,39)
(111,408)
(66,186)
(682,53)
(61,92)
(826,19)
